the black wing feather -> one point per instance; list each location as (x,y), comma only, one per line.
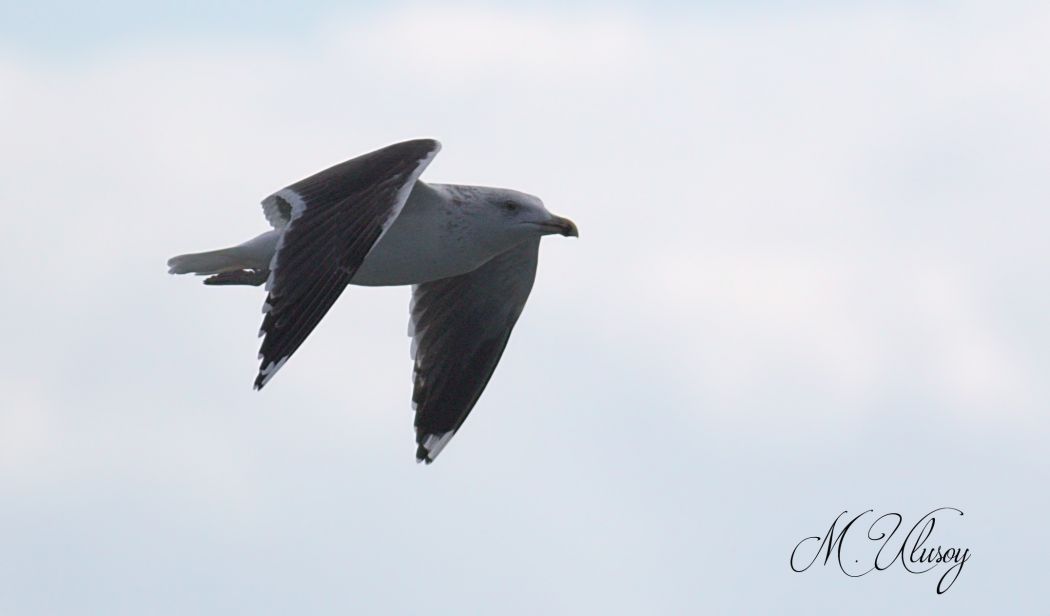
(344,210)
(460,327)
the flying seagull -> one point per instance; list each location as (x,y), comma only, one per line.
(469,253)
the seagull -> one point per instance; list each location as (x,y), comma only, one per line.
(469,253)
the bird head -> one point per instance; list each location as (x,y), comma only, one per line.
(524,215)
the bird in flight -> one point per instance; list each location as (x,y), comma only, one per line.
(469,253)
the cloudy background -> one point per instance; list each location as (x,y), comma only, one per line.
(812,277)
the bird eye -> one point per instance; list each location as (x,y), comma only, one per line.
(510,206)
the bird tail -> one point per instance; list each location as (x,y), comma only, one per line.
(202,263)
(253,254)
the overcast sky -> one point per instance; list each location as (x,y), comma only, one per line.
(811,277)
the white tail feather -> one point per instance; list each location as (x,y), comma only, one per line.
(212,262)
(253,254)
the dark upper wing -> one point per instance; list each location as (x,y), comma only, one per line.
(459,328)
(334,218)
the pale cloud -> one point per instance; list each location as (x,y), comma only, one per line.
(445,48)
(793,171)
(807,197)
(798,228)
(27,430)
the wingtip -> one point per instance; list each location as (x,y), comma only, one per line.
(266,372)
(423,456)
(431,145)
(430,445)
(432,142)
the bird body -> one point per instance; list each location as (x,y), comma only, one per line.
(438,234)
(469,252)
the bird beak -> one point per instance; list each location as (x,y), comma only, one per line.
(563,226)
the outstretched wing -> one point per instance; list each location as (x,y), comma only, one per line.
(459,328)
(335,217)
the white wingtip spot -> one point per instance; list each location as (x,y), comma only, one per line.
(434,443)
(270,370)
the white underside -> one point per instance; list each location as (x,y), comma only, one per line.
(419,246)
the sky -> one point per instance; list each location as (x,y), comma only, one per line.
(811,278)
